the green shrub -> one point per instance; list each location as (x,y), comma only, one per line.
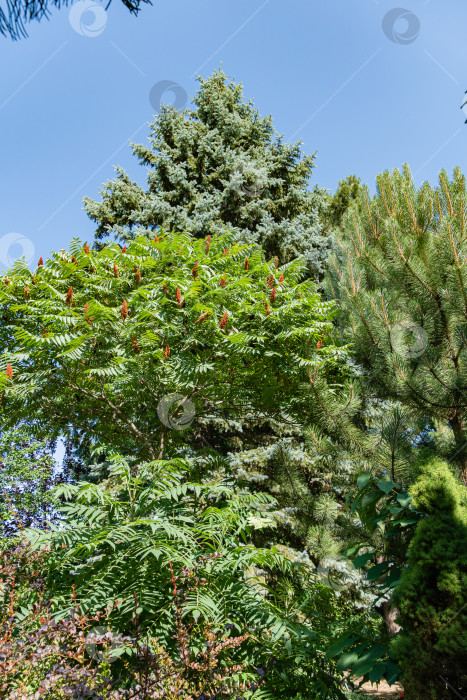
(432,646)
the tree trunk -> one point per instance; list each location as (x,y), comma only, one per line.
(390,613)
(460,455)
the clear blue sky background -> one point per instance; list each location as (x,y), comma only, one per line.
(324,69)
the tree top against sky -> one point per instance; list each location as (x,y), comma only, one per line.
(19,13)
(220,166)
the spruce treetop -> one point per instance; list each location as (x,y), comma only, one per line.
(217,167)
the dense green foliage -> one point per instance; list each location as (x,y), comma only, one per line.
(28,475)
(132,542)
(348,192)
(432,645)
(219,166)
(401,279)
(264,508)
(384,529)
(96,341)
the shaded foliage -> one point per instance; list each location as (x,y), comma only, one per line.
(432,645)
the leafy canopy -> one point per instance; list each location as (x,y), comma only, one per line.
(96,341)
(28,474)
(178,557)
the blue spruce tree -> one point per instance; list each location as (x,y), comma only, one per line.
(217,167)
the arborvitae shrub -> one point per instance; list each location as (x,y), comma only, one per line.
(432,596)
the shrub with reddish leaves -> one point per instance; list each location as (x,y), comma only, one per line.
(80,656)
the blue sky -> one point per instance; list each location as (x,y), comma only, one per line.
(364,97)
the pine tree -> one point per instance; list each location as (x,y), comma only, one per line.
(401,281)
(219,166)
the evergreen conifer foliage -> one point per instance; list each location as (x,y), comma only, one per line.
(219,166)
(347,193)
(432,646)
(403,287)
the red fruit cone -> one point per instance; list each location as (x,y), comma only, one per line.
(270,281)
(246,265)
(115,270)
(178,295)
(9,371)
(273,296)
(124,310)
(222,282)
(223,322)
(69,296)
(86,249)
(167,352)
(86,307)
(138,276)
(41,262)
